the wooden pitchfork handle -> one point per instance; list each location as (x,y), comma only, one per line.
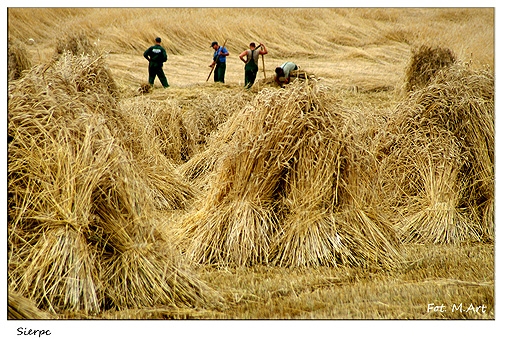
(263,66)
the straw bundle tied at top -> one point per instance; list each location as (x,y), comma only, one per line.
(425,62)
(440,146)
(435,215)
(274,196)
(236,219)
(80,210)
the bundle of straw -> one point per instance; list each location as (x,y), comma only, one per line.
(206,115)
(274,196)
(154,133)
(440,156)
(425,62)
(81,213)
(158,128)
(309,234)
(330,200)
(236,218)
(75,42)
(172,138)
(439,216)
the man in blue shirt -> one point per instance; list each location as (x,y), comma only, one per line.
(219,61)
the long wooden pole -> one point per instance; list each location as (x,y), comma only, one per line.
(213,67)
(263,65)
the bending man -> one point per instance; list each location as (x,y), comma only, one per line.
(284,71)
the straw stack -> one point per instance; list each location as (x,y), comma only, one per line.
(236,218)
(75,42)
(157,128)
(425,62)
(439,153)
(81,213)
(275,195)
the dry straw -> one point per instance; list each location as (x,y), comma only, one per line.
(75,42)
(159,127)
(425,62)
(206,113)
(17,60)
(158,139)
(438,158)
(171,138)
(82,214)
(275,196)
(19,307)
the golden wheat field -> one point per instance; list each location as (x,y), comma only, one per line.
(362,189)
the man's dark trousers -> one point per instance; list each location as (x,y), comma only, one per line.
(154,71)
(220,72)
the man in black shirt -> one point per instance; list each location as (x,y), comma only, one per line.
(156,56)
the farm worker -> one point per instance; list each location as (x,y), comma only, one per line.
(156,56)
(219,61)
(284,71)
(251,61)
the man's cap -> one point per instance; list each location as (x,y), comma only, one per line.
(214,43)
(157,39)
